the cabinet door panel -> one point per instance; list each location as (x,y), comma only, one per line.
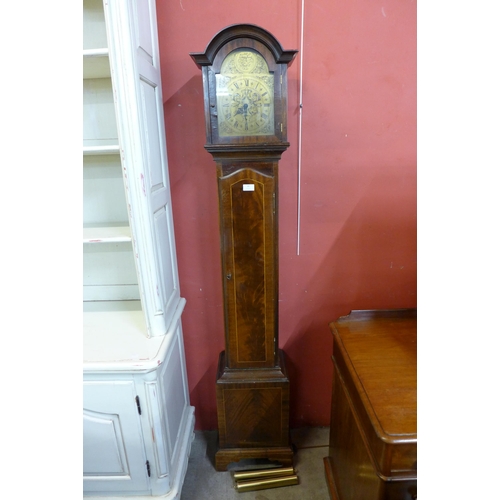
(167,270)
(164,287)
(175,392)
(103,445)
(168,403)
(141,125)
(114,457)
(154,164)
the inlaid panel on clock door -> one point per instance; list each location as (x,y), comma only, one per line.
(248,255)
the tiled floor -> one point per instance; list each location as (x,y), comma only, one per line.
(203,482)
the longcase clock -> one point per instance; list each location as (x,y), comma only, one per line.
(245,92)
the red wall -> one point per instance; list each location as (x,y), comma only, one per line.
(358,181)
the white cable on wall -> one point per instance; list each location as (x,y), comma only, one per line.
(299,163)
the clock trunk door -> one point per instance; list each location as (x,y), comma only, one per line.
(249,266)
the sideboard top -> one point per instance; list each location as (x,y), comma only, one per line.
(379,351)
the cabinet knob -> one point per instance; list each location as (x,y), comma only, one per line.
(229,276)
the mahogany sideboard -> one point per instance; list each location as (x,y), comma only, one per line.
(373,428)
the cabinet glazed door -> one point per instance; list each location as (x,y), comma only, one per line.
(113,448)
(134,61)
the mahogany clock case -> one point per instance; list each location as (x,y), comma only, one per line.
(241,65)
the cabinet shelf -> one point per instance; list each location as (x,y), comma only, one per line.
(107,234)
(111,149)
(115,336)
(115,331)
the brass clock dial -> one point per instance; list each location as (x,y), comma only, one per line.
(245,95)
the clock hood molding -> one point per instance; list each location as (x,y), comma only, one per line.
(243,31)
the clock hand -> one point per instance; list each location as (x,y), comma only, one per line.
(243,110)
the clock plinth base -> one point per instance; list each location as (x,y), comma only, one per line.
(253,414)
(283,455)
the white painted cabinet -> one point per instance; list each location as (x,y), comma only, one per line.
(137,419)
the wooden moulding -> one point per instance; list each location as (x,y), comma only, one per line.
(248,31)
